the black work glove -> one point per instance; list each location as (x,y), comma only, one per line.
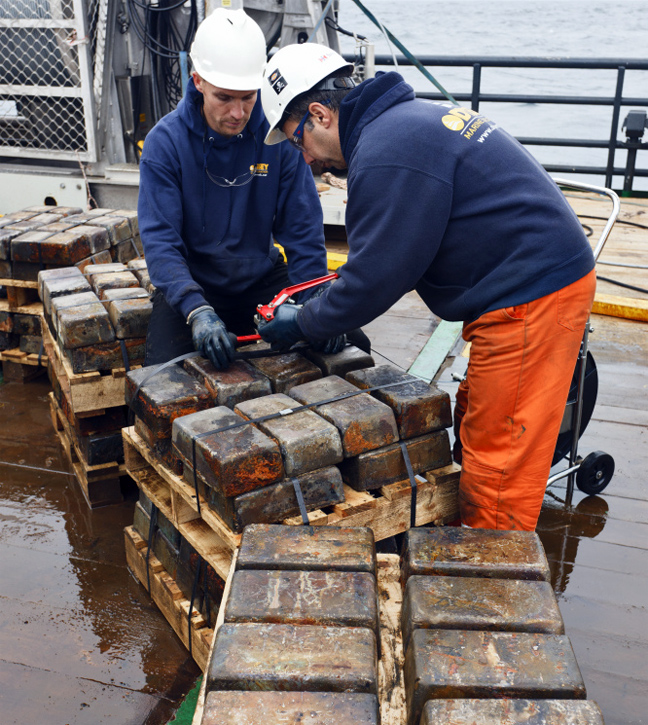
(283,331)
(331,346)
(210,337)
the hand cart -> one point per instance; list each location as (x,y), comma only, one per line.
(592,473)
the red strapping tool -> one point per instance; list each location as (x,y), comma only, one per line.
(266,312)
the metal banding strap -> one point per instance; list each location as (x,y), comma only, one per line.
(413,482)
(124,353)
(300,501)
(194,590)
(40,351)
(195,475)
(152,529)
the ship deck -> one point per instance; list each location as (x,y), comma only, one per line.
(81,642)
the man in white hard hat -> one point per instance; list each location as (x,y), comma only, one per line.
(443,201)
(213,198)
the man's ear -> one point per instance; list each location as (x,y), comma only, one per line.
(197,81)
(321,113)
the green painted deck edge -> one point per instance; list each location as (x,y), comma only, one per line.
(435,350)
(185,713)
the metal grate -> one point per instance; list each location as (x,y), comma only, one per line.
(46,108)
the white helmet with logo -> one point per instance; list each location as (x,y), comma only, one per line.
(293,70)
(229,50)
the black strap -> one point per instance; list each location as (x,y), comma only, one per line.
(40,350)
(152,528)
(124,352)
(300,501)
(413,483)
(195,475)
(194,590)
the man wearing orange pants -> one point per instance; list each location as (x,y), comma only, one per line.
(443,201)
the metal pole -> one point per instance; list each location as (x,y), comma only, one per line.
(474,103)
(614,126)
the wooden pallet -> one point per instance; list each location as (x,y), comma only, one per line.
(387,512)
(20,293)
(169,598)
(89,393)
(100,484)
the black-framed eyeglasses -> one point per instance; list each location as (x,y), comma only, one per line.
(240,180)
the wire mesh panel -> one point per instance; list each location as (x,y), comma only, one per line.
(46,108)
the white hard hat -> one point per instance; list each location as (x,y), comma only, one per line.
(293,70)
(229,50)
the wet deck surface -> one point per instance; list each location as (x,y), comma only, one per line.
(81,643)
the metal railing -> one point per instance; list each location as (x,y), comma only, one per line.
(615,102)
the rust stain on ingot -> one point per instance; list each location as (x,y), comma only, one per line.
(6,322)
(445,664)
(363,422)
(455,551)
(234,459)
(306,440)
(25,324)
(83,325)
(317,548)
(340,598)
(512,712)
(162,448)
(239,382)
(286,371)
(506,605)
(293,658)
(165,396)
(272,503)
(106,356)
(65,247)
(341,363)
(386,465)
(130,317)
(290,708)
(28,247)
(419,408)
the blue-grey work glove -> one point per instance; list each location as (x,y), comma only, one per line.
(210,337)
(283,331)
(331,346)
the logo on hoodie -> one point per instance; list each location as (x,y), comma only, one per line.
(467,123)
(277,81)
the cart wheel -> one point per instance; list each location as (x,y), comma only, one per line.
(595,472)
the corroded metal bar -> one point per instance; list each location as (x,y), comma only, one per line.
(505,605)
(64,248)
(419,408)
(275,502)
(130,317)
(286,371)
(24,324)
(363,422)
(442,664)
(454,551)
(239,382)
(106,356)
(512,712)
(112,280)
(331,598)
(306,440)
(316,548)
(234,461)
(386,465)
(54,283)
(290,658)
(118,228)
(164,396)
(81,326)
(351,358)
(290,708)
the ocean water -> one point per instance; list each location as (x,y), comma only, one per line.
(514,28)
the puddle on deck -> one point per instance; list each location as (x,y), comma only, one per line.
(80,642)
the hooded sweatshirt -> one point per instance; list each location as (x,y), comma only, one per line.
(204,240)
(442,200)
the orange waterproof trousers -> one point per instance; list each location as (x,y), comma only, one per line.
(510,407)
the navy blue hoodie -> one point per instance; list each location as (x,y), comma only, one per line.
(202,240)
(443,201)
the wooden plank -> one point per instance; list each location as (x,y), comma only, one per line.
(88,392)
(27,284)
(32,308)
(626,307)
(99,484)
(16,355)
